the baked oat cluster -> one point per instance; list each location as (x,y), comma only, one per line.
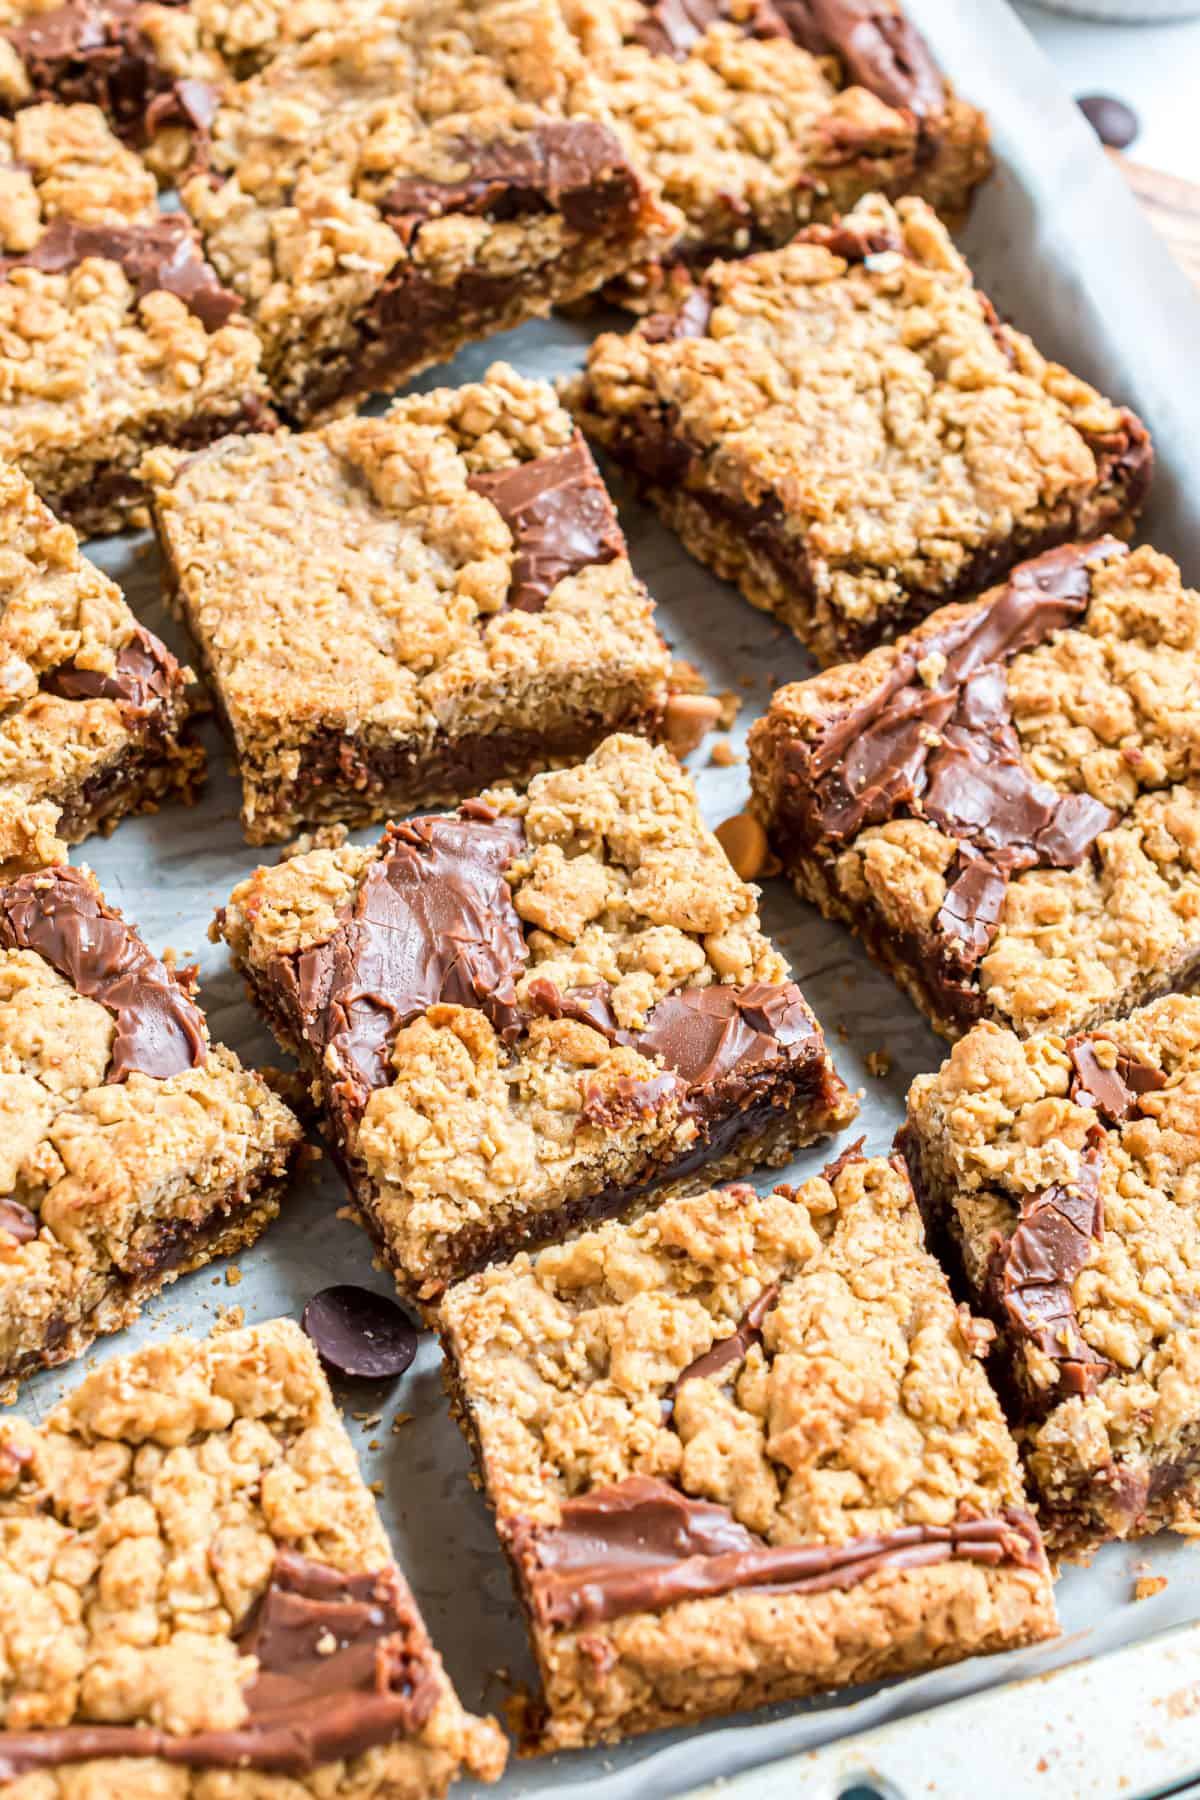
(115,332)
(1061,1173)
(744,1419)
(95,708)
(845,429)
(199,1599)
(395,611)
(1005,804)
(533,1012)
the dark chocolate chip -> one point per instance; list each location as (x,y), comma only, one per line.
(1113,121)
(360,1333)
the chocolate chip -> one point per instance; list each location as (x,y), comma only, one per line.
(1114,122)
(360,1333)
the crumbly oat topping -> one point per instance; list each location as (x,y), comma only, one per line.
(872,411)
(139,1525)
(997,1125)
(620,884)
(109,1182)
(857,1408)
(307,222)
(59,612)
(351,582)
(1104,708)
(89,372)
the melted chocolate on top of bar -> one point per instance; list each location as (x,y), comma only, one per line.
(877,45)
(575,167)
(673,27)
(57,913)
(18,1221)
(343,1664)
(727,1350)
(433,921)
(1115,1092)
(639,1544)
(163,256)
(1032,1271)
(936,739)
(560,517)
(142,677)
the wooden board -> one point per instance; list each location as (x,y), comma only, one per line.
(1172,206)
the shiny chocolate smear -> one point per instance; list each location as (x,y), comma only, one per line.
(143,676)
(1115,1092)
(639,1545)
(1033,1270)
(727,1350)
(877,46)
(160,1031)
(560,517)
(343,1664)
(18,1221)
(163,256)
(673,27)
(432,921)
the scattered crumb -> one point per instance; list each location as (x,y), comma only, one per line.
(842,1033)
(376,1487)
(879,1063)
(683,677)
(731,706)
(723,754)
(402,1419)
(373,1444)
(747,681)
(1146,1586)
(233,1276)
(229,1318)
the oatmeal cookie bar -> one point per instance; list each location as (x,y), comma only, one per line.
(407,180)
(535,1012)
(394,612)
(133,1150)
(1004,805)
(1062,1175)
(845,429)
(95,710)
(751,118)
(115,334)
(199,1600)
(741,1451)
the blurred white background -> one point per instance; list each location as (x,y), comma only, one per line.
(1154,68)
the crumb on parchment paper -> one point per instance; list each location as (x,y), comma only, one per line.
(1146,1586)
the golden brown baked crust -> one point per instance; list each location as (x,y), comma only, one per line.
(378,634)
(495,1097)
(845,429)
(141,1524)
(1011,1137)
(853,1409)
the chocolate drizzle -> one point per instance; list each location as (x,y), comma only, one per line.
(163,256)
(142,678)
(575,167)
(639,1545)
(877,45)
(343,1664)
(57,913)
(1115,1091)
(1032,1271)
(433,920)
(727,1350)
(560,517)
(936,739)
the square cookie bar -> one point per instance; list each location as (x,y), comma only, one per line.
(1005,805)
(845,429)
(395,612)
(1062,1175)
(534,1012)
(115,333)
(741,1451)
(410,179)
(133,1150)
(95,708)
(750,119)
(199,1601)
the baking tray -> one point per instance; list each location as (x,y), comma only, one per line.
(1061,247)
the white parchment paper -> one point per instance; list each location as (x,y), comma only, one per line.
(1059,244)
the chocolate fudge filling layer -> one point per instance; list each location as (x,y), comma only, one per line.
(57,913)
(560,517)
(144,676)
(573,167)
(162,256)
(95,52)
(343,1664)
(936,740)
(639,1545)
